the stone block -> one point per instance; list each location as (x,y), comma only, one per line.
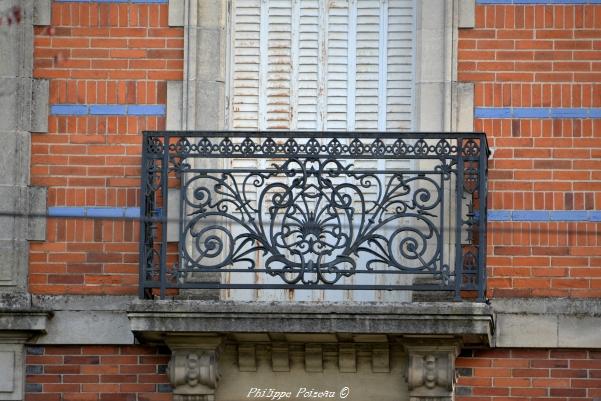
(563,306)
(12,368)
(579,332)
(211,14)
(8,206)
(174,105)
(463,107)
(41,12)
(526,330)
(14,301)
(14,158)
(176,12)
(210,100)
(36,223)
(432,46)
(9,90)
(13,263)
(210,66)
(88,327)
(432,15)
(24,103)
(82,302)
(9,49)
(430,107)
(39,105)
(7,367)
(467,13)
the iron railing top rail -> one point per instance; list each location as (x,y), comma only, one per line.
(324,134)
(262,144)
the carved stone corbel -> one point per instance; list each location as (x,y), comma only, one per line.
(193,369)
(431,370)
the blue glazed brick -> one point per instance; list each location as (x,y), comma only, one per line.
(499,215)
(68,110)
(132,212)
(59,211)
(569,215)
(530,112)
(594,113)
(164,388)
(105,212)
(595,215)
(34,369)
(530,215)
(108,109)
(33,388)
(570,113)
(492,112)
(35,350)
(146,110)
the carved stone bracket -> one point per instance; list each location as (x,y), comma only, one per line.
(431,369)
(193,369)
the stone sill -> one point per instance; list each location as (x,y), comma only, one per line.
(473,323)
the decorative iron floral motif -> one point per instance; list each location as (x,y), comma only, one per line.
(364,148)
(314,226)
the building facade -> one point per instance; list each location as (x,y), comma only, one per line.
(86,309)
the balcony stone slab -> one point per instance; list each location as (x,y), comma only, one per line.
(472,323)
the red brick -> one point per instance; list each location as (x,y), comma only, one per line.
(530,373)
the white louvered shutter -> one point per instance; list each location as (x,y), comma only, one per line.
(322,65)
(331,65)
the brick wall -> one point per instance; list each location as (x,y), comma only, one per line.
(523,59)
(536,70)
(523,375)
(97,373)
(108,65)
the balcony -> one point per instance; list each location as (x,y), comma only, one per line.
(288,213)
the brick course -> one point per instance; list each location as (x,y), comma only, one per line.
(528,375)
(97,373)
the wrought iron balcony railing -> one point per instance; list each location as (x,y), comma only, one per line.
(314,210)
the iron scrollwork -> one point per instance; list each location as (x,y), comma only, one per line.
(313,228)
(311,216)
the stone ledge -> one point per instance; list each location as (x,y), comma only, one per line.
(117,303)
(29,322)
(473,323)
(555,306)
(547,322)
